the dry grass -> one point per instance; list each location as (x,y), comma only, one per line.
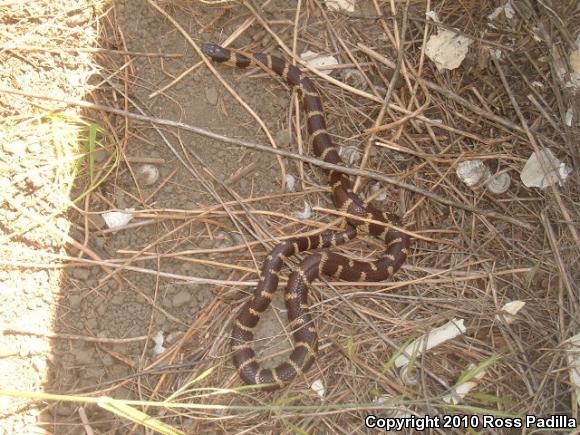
(410,127)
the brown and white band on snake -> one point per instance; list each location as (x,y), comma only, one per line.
(322,263)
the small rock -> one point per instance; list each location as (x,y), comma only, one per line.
(147,174)
(80,273)
(92,323)
(95,374)
(100,155)
(211,94)
(107,360)
(118,299)
(101,309)
(75,301)
(182,298)
(283,137)
(85,357)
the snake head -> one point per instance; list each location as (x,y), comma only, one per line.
(217,53)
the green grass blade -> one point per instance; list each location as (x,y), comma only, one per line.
(136,416)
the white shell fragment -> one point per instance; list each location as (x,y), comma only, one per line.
(350,154)
(458,392)
(306,213)
(318,60)
(510,310)
(158,339)
(409,377)
(147,174)
(499,184)
(573,356)
(447,49)
(290,182)
(569,116)
(506,8)
(432,15)
(381,196)
(472,172)
(318,387)
(336,5)
(544,169)
(117,219)
(450,330)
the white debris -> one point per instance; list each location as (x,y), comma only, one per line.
(507,10)
(147,174)
(544,169)
(447,49)
(306,213)
(458,392)
(318,387)
(318,60)
(381,196)
(537,84)
(536,34)
(499,183)
(573,357)
(472,172)
(158,339)
(450,330)
(350,154)
(510,310)
(118,219)
(408,376)
(336,5)
(290,182)
(432,15)
(569,116)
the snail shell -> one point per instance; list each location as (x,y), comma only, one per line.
(147,174)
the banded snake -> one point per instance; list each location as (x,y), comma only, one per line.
(322,263)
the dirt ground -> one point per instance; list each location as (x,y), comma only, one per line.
(75,324)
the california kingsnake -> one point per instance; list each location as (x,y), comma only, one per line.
(326,263)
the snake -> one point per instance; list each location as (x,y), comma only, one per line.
(361,218)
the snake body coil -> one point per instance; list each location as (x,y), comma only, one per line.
(325,263)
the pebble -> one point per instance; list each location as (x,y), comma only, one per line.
(211,94)
(85,357)
(182,298)
(100,155)
(92,323)
(80,273)
(283,137)
(75,301)
(107,360)
(94,374)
